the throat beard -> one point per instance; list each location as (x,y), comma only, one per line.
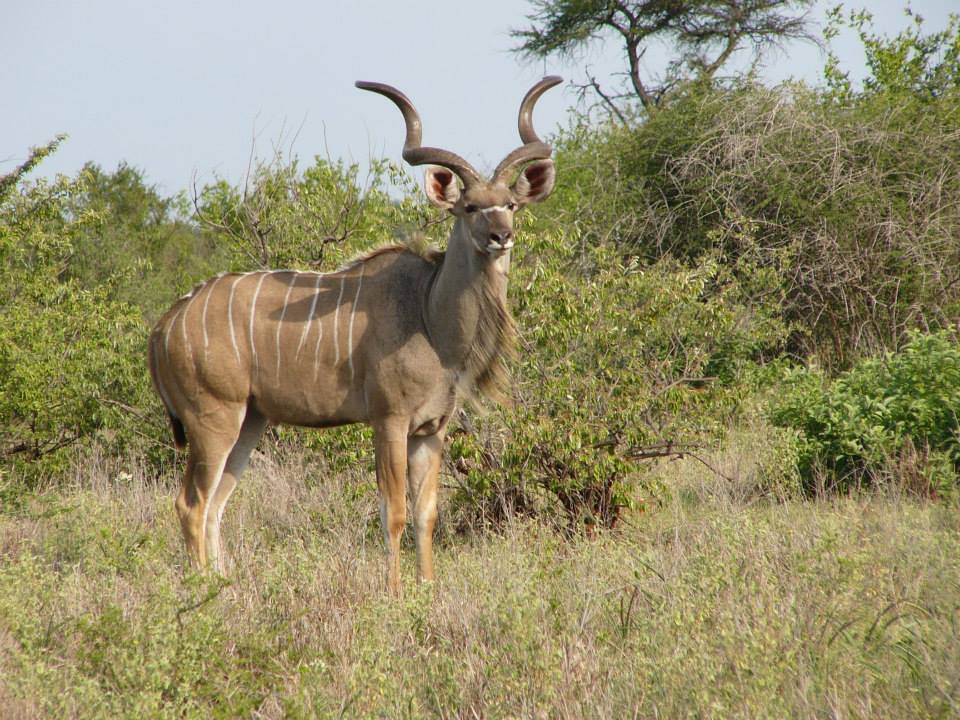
(486,362)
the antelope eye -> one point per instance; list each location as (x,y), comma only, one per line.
(511,206)
(470,207)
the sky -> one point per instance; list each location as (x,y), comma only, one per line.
(188,90)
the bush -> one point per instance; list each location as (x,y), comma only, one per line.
(679,253)
(893,414)
(71,358)
(620,361)
(137,245)
(849,194)
(316,217)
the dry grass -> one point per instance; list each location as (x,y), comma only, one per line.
(716,606)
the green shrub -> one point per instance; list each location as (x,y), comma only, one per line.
(617,354)
(71,357)
(317,217)
(139,246)
(895,413)
(619,361)
(680,252)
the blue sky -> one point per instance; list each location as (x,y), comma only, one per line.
(185,88)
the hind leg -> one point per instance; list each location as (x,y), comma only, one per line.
(211,442)
(253,426)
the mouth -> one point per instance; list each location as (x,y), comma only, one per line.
(495,248)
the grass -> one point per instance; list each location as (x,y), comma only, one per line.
(716,606)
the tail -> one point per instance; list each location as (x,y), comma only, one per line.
(179,434)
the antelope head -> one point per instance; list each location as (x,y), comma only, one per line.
(484,208)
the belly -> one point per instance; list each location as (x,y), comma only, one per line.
(310,406)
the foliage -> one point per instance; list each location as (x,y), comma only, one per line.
(913,64)
(620,361)
(682,252)
(8,182)
(895,414)
(644,372)
(848,196)
(70,356)
(318,217)
(844,608)
(703,34)
(143,248)
(77,254)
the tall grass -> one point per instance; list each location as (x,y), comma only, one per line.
(718,605)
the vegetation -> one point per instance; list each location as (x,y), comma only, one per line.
(848,197)
(70,353)
(731,453)
(713,608)
(894,414)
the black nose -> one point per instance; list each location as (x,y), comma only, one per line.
(501,237)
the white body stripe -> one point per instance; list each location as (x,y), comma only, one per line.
(313,306)
(353,313)
(316,349)
(164,395)
(166,335)
(253,311)
(286,300)
(183,327)
(203,320)
(336,323)
(233,333)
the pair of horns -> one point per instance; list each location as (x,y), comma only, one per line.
(533,147)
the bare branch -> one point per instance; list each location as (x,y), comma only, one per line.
(609,101)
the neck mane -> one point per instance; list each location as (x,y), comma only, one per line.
(493,343)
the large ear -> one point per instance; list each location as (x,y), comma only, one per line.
(441,187)
(535,182)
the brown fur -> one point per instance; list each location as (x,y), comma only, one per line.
(493,348)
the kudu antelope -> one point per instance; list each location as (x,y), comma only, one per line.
(392,339)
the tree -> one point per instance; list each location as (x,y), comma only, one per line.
(285,216)
(71,368)
(140,244)
(706,34)
(8,182)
